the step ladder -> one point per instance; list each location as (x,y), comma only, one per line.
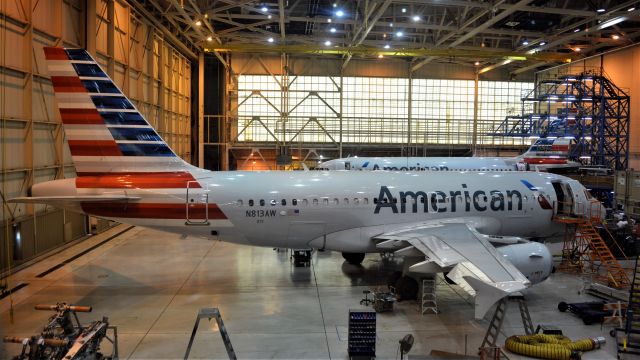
(489,349)
(628,338)
(429,300)
(212,313)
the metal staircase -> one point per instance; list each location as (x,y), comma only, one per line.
(429,301)
(585,251)
(628,339)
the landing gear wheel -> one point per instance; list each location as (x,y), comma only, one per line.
(406,288)
(353,258)
(563,306)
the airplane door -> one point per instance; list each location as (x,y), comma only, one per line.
(565,202)
(197,209)
(347,165)
(302,232)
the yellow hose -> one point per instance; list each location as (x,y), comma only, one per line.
(553,347)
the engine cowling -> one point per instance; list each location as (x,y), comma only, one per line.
(532,259)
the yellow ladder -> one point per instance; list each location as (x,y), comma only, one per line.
(616,275)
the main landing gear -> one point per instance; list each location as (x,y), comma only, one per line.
(353,258)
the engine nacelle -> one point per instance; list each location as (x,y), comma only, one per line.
(532,259)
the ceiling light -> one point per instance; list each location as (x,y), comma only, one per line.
(386,46)
(327,43)
(333,30)
(615,37)
(525,43)
(270,39)
(210,38)
(601,10)
(404,10)
(206,15)
(543,43)
(329,21)
(384,36)
(264,9)
(399,33)
(390,24)
(416,18)
(198,23)
(335,4)
(380,56)
(339,13)
(577,49)
(611,22)
(477,63)
(631,9)
(482,44)
(576,30)
(269,17)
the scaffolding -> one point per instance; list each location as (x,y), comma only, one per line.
(587,107)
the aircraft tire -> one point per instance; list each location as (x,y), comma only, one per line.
(353,258)
(407,288)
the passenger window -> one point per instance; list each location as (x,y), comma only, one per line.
(251,202)
(346,201)
(239,202)
(305,202)
(356,201)
(315,202)
(365,201)
(261,202)
(294,202)
(325,201)
(283,202)
(335,201)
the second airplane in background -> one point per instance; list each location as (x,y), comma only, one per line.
(544,154)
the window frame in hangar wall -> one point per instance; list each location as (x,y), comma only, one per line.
(146,67)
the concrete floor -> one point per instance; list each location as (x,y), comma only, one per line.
(151,284)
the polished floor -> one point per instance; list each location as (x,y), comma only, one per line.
(151,284)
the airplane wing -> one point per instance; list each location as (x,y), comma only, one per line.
(476,265)
(61,201)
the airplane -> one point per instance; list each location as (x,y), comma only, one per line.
(472,225)
(544,154)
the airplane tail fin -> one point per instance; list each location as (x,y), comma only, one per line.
(105,131)
(547,151)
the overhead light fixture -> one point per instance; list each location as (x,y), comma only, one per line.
(198,23)
(386,46)
(601,10)
(631,9)
(615,37)
(482,44)
(576,30)
(210,39)
(416,18)
(404,10)
(333,30)
(380,56)
(269,17)
(264,9)
(543,43)
(477,63)
(384,36)
(390,24)
(329,20)
(399,34)
(577,49)
(270,39)
(525,43)
(335,4)
(612,22)
(327,43)
(339,13)
(206,16)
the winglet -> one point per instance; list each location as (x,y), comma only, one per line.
(486,295)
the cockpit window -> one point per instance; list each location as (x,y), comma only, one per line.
(588,195)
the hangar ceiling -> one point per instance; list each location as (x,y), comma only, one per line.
(521,35)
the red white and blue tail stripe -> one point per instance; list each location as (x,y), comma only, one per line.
(105,131)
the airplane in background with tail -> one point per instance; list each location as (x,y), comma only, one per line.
(474,226)
(545,154)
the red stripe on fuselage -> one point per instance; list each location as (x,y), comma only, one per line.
(94,148)
(81,116)
(152,211)
(55,53)
(68,84)
(544,161)
(136,180)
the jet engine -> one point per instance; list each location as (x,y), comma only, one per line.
(532,259)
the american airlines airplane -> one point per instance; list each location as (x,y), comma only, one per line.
(472,225)
(544,154)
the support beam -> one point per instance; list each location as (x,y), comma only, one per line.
(281,19)
(371,23)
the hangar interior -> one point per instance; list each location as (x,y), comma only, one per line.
(284,85)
